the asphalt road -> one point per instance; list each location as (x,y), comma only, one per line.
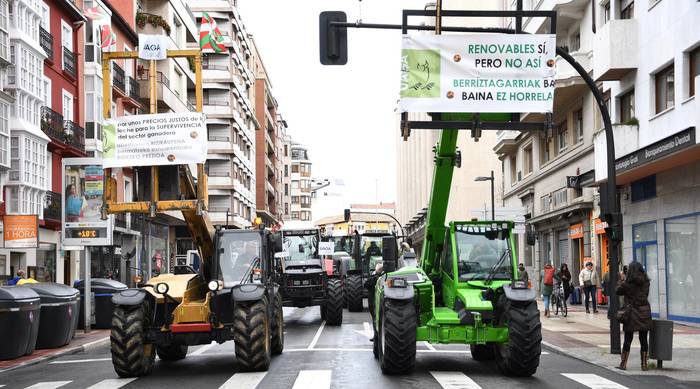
(320,357)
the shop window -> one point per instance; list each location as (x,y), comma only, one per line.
(682,272)
(694,69)
(627,107)
(664,83)
(644,189)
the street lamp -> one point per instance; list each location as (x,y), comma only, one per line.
(493,206)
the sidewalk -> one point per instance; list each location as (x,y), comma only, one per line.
(587,337)
(81,342)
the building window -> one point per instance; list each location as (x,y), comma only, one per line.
(562,133)
(295,168)
(578,124)
(545,154)
(694,69)
(664,81)
(575,42)
(560,197)
(513,169)
(545,203)
(606,12)
(286,189)
(644,189)
(626,9)
(627,107)
(527,159)
(682,238)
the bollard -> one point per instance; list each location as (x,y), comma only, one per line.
(661,342)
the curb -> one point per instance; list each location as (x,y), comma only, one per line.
(69,351)
(563,351)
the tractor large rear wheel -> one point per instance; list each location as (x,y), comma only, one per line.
(353,292)
(397,336)
(251,334)
(334,302)
(519,357)
(278,327)
(172,352)
(131,355)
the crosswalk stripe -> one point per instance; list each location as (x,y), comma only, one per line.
(454,380)
(594,381)
(244,380)
(112,383)
(81,361)
(203,349)
(316,379)
(48,385)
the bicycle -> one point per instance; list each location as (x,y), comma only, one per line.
(559,300)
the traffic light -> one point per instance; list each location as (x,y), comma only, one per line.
(333,40)
(614,228)
(346,215)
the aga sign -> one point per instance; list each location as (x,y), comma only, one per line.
(153,46)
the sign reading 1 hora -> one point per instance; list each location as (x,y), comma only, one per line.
(478,73)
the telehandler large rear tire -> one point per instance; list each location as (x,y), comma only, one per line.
(172,352)
(277,325)
(397,336)
(353,292)
(251,335)
(520,357)
(334,302)
(131,355)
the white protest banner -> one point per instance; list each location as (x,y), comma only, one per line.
(477,73)
(153,46)
(160,139)
(326,248)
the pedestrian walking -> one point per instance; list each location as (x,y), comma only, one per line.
(635,316)
(522,274)
(565,277)
(590,281)
(548,276)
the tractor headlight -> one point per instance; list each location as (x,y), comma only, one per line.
(162,288)
(520,285)
(213,285)
(397,283)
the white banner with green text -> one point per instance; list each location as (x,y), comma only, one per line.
(478,73)
(159,139)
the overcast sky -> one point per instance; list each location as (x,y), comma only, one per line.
(344,114)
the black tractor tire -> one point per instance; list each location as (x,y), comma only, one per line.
(277,327)
(397,334)
(353,292)
(334,302)
(482,352)
(251,335)
(131,355)
(172,352)
(375,343)
(520,357)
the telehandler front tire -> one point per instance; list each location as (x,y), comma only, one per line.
(251,335)
(520,357)
(131,355)
(397,336)
(482,352)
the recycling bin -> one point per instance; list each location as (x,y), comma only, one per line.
(59,314)
(19,321)
(661,342)
(103,290)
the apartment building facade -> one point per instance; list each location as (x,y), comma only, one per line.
(301,183)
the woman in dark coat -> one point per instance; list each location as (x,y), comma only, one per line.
(637,312)
(565,277)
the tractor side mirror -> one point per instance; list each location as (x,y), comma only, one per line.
(276,239)
(389,254)
(333,40)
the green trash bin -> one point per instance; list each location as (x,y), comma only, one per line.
(19,321)
(661,342)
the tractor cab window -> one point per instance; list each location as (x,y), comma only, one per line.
(447,265)
(343,243)
(479,249)
(371,251)
(239,253)
(301,247)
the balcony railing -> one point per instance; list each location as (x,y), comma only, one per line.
(214,173)
(208,66)
(74,135)
(134,88)
(46,42)
(118,78)
(52,206)
(69,62)
(52,123)
(160,77)
(218,138)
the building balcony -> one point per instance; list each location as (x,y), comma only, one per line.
(167,99)
(46,43)
(133,88)
(69,63)
(216,106)
(118,78)
(616,50)
(52,206)
(64,132)
(506,141)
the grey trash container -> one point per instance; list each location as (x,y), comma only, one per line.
(19,321)
(103,290)
(661,341)
(59,314)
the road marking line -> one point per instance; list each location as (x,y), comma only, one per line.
(244,380)
(318,335)
(48,385)
(594,381)
(366,330)
(112,383)
(454,380)
(293,350)
(81,361)
(203,349)
(429,346)
(314,379)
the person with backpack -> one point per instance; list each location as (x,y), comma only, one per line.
(549,274)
